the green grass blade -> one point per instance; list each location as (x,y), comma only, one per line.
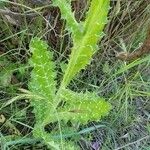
(132,64)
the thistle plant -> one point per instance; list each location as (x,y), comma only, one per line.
(75,107)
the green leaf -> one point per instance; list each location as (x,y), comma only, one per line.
(67,105)
(82,107)
(42,80)
(43,73)
(66,13)
(96,15)
(86,43)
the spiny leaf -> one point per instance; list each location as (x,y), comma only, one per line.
(42,78)
(66,13)
(76,107)
(43,73)
(96,15)
(86,44)
(82,107)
